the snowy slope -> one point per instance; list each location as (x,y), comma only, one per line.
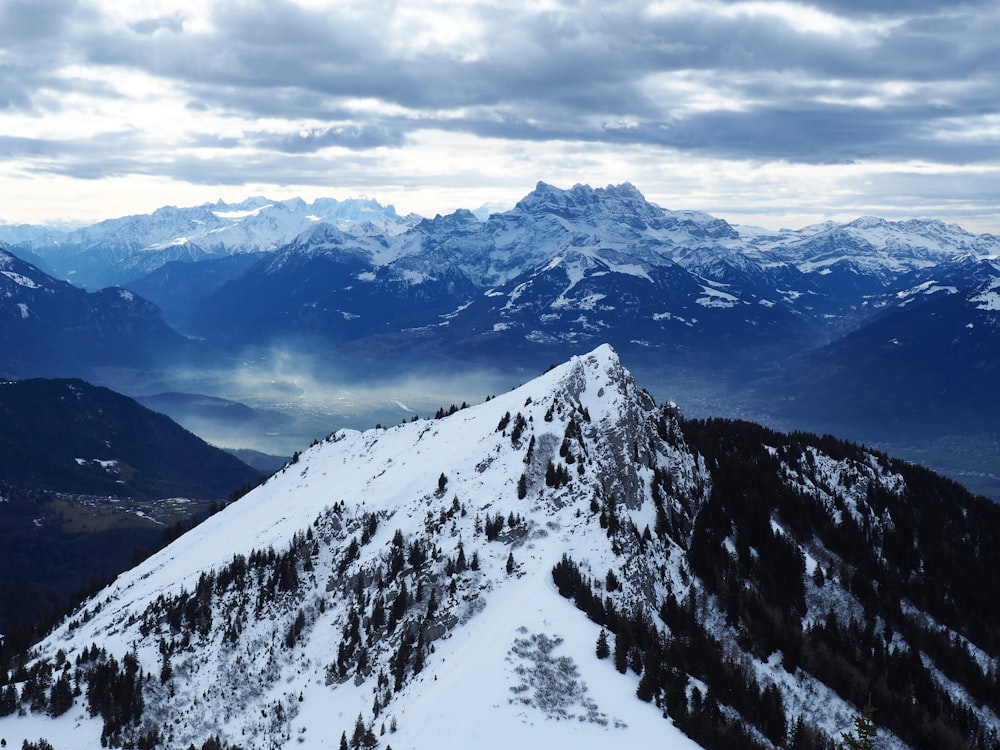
(464,693)
(402,582)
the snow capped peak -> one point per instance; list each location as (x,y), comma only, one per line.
(542,225)
(420,488)
(581,200)
(241,213)
(868,222)
(130,246)
(598,369)
(322,233)
(462,219)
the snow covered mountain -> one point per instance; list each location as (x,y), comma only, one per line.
(563,267)
(562,270)
(565,270)
(873,246)
(117,251)
(615,225)
(566,564)
(733,313)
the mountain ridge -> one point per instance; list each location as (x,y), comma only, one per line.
(53,328)
(260,224)
(115,251)
(422,579)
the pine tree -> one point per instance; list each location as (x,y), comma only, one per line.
(865,732)
(61,696)
(359,733)
(621,652)
(603,649)
(8,700)
(611,581)
(418,654)
(166,670)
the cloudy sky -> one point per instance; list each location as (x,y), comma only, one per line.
(774,113)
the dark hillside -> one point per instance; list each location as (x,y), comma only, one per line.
(89,477)
(917,552)
(70,436)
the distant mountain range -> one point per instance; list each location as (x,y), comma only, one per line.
(873,327)
(568,564)
(927,365)
(116,251)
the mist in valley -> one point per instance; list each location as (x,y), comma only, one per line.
(278,401)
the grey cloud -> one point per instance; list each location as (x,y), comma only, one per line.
(38,38)
(868,8)
(26,23)
(536,55)
(352,136)
(354,169)
(15,147)
(257,45)
(104,155)
(174,23)
(563,75)
(821,135)
(121,154)
(15,88)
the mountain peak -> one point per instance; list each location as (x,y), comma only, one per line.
(427,488)
(597,370)
(580,196)
(418,577)
(461,219)
(868,222)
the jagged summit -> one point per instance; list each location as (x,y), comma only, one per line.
(511,468)
(620,203)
